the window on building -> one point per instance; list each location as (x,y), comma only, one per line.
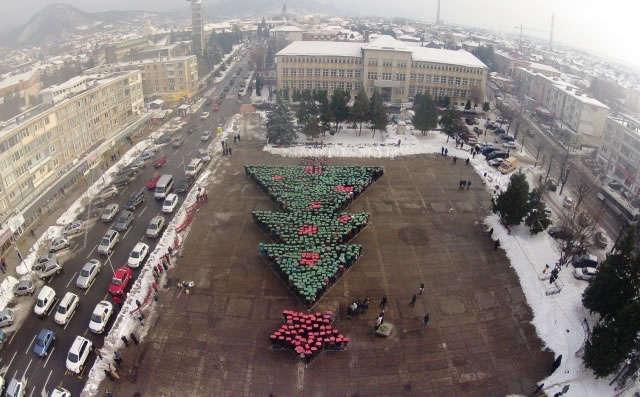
(334,72)
(387,63)
(357,75)
(325,72)
(309,72)
(317,72)
(458,81)
(372,76)
(349,73)
(373,62)
(401,76)
(436,79)
(340,72)
(386,76)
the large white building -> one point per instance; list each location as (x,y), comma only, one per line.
(40,147)
(397,69)
(620,151)
(575,112)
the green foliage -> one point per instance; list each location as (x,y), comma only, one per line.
(612,340)
(425,116)
(614,286)
(326,116)
(467,106)
(338,106)
(451,122)
(280,130)
(377,113)
(360,109)
(486,107)
(308,115)
(537,219)
(511,204)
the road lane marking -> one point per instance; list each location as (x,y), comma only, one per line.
(33,388)
(47,361)
(125,235)
(142,212)
(44,387)
(12,358)
(91,253)
(27,369)
(13,336)
(71,279)
(85,332)
(31,343)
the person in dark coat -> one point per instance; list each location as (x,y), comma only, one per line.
(413,300)
(421,289)
(425,319)
(383,302)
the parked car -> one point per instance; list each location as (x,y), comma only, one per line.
(47,269)
(108,242)
(100,317)
(72,228)
(138,255)
(88,273)
(45,301)
(58,244)
(205,136)
(155,227)
(109,212)
(510,145)
(44,342)
(170,203)
(204,115)
(497,153)
(559,233)
(60,391)
(108,192)
(600,240)
(151,183)
(6,317)
(487,150)
(123,180)
(159,162)
(193,168)
(586,260)
(17,388)
(123,221)
(177,141)
(120,283)
(585,273)
(136,199)
(496,162)
(147,154)
(24,286)
(78,354)
(66,308)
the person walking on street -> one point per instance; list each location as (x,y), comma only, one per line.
(467,161)
(446,152)
(425,320)
(421,289)
(455,159)
(442,150)
(383,302)
(229,150)
(3,265)
(468,183)
(413,300)
(496,244)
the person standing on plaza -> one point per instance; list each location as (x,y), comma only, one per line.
(421,289)
(383,302)
(413,300)
(425,320)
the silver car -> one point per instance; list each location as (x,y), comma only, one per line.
(43,261)
(24,287)
(109,212)
(73,228)
(6,318)
(58,244)
(88,273)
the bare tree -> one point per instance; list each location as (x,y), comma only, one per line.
(565,170)
(583,189)
(578,232)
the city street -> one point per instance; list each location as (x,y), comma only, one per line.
(17,357)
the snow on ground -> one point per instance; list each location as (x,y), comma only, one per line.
(558,319)
(127,322)
(6,290)
(226,57)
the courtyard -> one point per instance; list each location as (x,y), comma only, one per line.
(422,229)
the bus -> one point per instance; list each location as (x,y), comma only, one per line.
(163,187)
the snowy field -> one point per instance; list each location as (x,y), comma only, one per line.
(559,319)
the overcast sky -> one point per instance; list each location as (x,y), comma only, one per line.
(607,27)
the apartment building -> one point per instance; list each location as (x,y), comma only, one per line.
(170,79)
(23,86)
(620,150)
(126,50)
(39,148)
(575,112)
(396,69)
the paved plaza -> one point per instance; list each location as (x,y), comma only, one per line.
(422,228)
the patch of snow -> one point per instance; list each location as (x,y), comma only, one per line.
(6,291)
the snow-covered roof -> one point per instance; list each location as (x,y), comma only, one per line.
(287,28)
(16,78)
(323,48)
(543,67)
(382,43)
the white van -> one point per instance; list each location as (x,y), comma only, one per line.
(193,168)
(163,187)
(66,308)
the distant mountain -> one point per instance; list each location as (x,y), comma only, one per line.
(56,20)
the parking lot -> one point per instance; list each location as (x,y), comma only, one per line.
(214,341)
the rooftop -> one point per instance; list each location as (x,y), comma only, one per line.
(16,78)
(287,28)
(354,49)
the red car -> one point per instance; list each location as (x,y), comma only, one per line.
(151,183)
(215,107)
(160,162)
(120,283)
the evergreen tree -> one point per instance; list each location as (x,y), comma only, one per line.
(467,106)
(486,107)
(511,204)
(614,286)
(537,219)
(444,101)
(326,116)
(450,122)
(258,85)
(280,130)
(612,340)
(425,116)
(360,109)
(377,113)
(338,106)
